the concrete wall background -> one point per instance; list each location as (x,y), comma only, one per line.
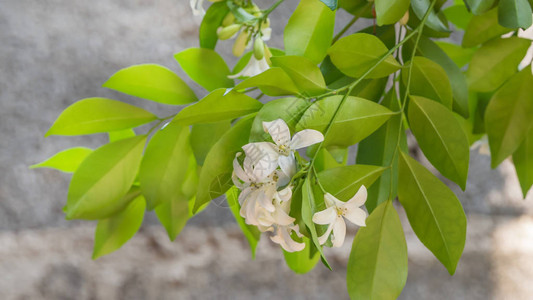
(55,52)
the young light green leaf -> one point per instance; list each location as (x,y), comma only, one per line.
(309,31)
(215,176)
(458,15)
(428,79)
(251,233)
(204,136)
(219,105)
(357,119)
(120,135)
(304,73)
(377,267)
(206,67)
(272,82)
(174,214)
(210,22)
(441,138)
(344,182)
(288,109)
(99,184)
(370,89)
(508,116)
(96,115)
(163,168)
(483,28)
(303,261)
(495,62)
(434,212)
(479,7)
(152,82)
(324,160)
(434,21)
(390,11)
(459,55)
(523,162)
(66,161)
(115,231)
(514,14)
(355,54)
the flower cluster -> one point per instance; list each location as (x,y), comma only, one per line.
(264,179)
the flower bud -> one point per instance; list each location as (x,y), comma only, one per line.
(225,33)
(229,19)
(268,54)
(404,19)
(259,48)
(240,43)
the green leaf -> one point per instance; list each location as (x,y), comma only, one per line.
(162,170)
(377,267)
(332,4)
(370,89)
(174,214)
(113,232)
(99,184)
(303,261)
(324,160)
(495,62)
(205,67)
(210,22)
(414,22)
(120,135)
(523,162)
(308,210)
(355,54)
(272,82)
(204,136)
(460,56)
(289,110)
(420,7)
(458,15)
(251,233)
(96,115)
(508,116)
(152,82)
(390,11)
(357,7)
(441,138)
(380,149)
(66,161)
(479,7)
(219,105)
(304,73)
(215,176)
(344,182)
(309,31)
(483,28)
(434,212)
(428,79)
(514,14)
(356,120)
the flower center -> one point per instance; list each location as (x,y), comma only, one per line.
(284,150)
(341,211)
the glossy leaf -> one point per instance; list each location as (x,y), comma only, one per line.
(514,14)
(210,22)
(309,31)
(523,162)
(508,116)
(113,232)
(370,89)
(163,168)
(460,56)
(483,28)
(152,82)
(357,7)
(344,182)
(377,267)
(219,105)
(97,115)
(99,184)
(356,120)
(288,109)
(303,261)
(66,161)
(174,214)
(251,233)
(355,54)
(390,11)
(458,15)
(441,138)
(272,82)
(420,7)
(495,62)
(120,135)
(434,212)
(428,79)
(304,73)
(204,136)
(479,7)
(205,67)
(215,176)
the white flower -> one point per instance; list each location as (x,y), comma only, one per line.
(334,213)
(197,8)
(254,67)
(283,237)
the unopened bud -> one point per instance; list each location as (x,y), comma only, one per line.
(225,33)
(228,19)
(404,19)
(259,48)
(240,43)
(268,54)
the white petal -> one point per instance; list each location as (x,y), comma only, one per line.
(282,218)
(327,216)
(330,201)
(283,238)
(237,182)
(356,216)
(296,230)
(197,8)
(339,232)
(266,33)
(285,194)
(279,131)
(239,171)
(244,194)
(263,159)
(324,238)
(265,198)
(358,199)
(306,137)
(287,164)
(283,179)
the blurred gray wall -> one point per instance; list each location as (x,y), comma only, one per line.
(55,52)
